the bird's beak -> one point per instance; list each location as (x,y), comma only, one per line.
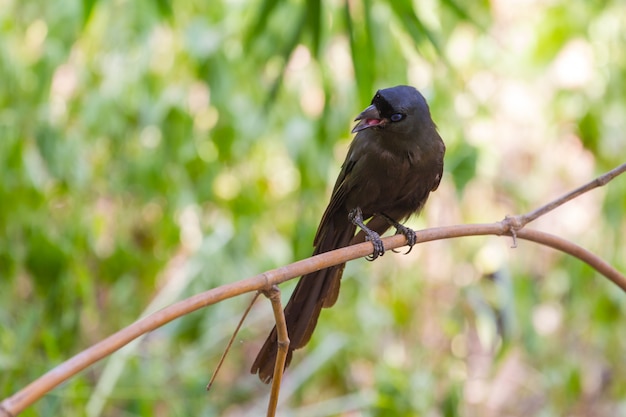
(369,117)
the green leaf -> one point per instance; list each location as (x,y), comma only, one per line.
(362,49)
(314,22)
(261,21)
(413,25)
(88,6)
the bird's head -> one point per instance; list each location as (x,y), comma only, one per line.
(395,109)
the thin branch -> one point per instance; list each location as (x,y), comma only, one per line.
(503,228)
(576,251)
(598,182)
(283,345)
(232,339)
(511,226)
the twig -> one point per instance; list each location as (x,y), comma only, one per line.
(16,403)
(283,345)
(576,251)
(232,339)
(598,182)
(4,412)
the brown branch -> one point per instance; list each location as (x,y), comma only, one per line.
(598,182)
(576,251)
(283,346)
(13,405)
(547,239)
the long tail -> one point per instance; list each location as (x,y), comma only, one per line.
(314,291)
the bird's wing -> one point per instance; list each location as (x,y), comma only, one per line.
(442,150)
(337,198)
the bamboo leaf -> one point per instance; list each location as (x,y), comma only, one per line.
(261,21)
(314,22)
(88,6)
(464,12)
(413,25)
(361,50)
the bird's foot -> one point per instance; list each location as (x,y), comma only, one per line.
(356,217)
(407,232)
(379,248)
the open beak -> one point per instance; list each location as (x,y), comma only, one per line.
(369,117)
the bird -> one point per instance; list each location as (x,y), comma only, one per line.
(393,164)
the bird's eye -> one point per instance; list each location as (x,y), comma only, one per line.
(397,117)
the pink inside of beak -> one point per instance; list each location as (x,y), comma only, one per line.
(372,122)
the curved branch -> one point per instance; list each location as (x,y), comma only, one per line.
(32,392)
(576,251)
(511,226)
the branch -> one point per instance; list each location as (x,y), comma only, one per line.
(598,182)
(231,340)
(283,346)
(510,226)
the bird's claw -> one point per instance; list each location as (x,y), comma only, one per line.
(409,234)
(377,243)
(356,217)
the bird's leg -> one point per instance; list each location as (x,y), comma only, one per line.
(356,217)
(408,233)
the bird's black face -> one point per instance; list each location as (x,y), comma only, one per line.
(390,108)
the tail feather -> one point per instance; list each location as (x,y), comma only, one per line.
(313,292)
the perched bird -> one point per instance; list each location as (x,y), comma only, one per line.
(394,162)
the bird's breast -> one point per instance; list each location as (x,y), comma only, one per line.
(391,180)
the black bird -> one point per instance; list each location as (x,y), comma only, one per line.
(394,162)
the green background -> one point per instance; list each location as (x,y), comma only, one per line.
(153,150)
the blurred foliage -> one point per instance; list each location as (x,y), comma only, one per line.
(152,150)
